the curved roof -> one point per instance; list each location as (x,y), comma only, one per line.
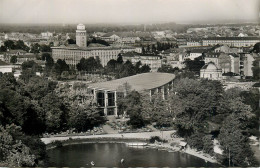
(210,66)
(144,81)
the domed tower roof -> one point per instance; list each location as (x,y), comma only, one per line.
(81,26)
(210,66)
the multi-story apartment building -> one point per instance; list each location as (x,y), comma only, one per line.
(227,62)
(194,42)
(247,63)
(231,41)
(154,61)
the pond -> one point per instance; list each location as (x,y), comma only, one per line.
(110,155)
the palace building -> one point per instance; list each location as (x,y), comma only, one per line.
(73,53)
(107,93)
(231,41)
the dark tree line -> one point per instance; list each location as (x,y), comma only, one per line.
(201,110)
(14,45)
(154,49)
(19,45)
(98,41)
(123,69)
(33,105)
(89,65)
(194,65)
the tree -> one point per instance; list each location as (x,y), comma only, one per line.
(193,103)
(133,107)
(138,66)
(45,48)
(90,64)
(167,68)
(35,48)
(126,70)
(145,68)
(9,44)
(13,59)
(14,152)
(256,69)
(256,48)
(251,98)
(143,50)
(3,49)
(8,81)
(20,45)
(29,69)
(49,62)
(99,41)
(56,113)
(148,49)
(81,65)
(71,41)
(237,151)
(85,118)
(18,149)
(194,65)
(159,111)
(61,66)
(111,66)
(153,48)
(119,59)
(136,119)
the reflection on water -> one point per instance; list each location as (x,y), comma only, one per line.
(106,154)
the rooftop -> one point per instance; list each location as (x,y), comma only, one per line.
(232,38)
(210,66)
(75,47)
(128,34)
(140,82)
(2,63)
(199,50)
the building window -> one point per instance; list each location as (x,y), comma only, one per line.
(111,99)
(101,99)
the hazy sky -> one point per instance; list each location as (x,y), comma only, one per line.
(125,11)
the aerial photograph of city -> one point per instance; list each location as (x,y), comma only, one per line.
(129,83)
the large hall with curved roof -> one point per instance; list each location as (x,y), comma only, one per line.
(107,93)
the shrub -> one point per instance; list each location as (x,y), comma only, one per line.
(57,144)
(156,138)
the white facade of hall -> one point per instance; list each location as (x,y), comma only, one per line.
(73,53)
(72,56)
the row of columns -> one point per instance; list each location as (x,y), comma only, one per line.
(115,96)
(106,100)
(163,90)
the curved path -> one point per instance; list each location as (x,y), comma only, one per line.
(142,135)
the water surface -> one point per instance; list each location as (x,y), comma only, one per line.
(108,154)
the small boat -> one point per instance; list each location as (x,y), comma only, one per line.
(136,144)
(171,151)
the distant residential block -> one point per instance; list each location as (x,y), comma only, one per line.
(231,41)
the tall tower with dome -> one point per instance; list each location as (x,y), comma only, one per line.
(81,36)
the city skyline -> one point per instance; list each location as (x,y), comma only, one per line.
(126,11)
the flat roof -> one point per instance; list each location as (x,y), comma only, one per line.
(75,47)
(233,38)
(140,82)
